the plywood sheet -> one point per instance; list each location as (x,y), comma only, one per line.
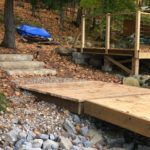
(131,112)
(86,90)
(125,106)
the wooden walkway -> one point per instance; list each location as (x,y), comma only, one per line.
(124,106)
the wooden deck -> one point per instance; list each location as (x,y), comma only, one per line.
(111,55)
(111,52)
(125,106)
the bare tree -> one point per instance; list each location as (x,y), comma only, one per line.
(9,36)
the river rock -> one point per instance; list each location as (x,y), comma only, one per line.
(87,143)
(49,144)
(37,143)
(69,127)
(8,148)
(52,137)
(84,131)
(26,146)
(95,136)
(131,81)
(12,136)
(76,119)
(30,136)
(22,135)
(75,148)
(76,141)
(43,136)
(117,148)
(19,143)
(65,143)
(89,148)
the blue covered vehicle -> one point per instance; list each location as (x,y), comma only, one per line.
(33,33)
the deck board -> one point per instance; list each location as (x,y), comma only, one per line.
(125,106)
(81,91)
(131,112)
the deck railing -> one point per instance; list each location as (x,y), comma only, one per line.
(131,26)
(134,20)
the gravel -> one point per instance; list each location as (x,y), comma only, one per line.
(38,125)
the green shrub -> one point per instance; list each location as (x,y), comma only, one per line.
(3,102)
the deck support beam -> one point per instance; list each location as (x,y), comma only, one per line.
(83,33)
(107,64)
(76,39)
(119,65)
(107,38)
(135,60)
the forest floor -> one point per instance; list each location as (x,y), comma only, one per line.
(64,66)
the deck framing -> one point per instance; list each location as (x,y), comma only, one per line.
(124,106)
(136,54)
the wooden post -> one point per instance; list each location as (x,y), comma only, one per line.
(83,33)
(107,64)
(136,61)
(107,38)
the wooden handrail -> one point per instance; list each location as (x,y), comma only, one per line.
(135,60)
(107,38)
(145,13)
(83,33)
(137,31)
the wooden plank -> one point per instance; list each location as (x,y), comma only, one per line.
(119,14)
(135,66)
(107,41)
(76,39)
(72,106)
(81,91)
(125,106)
(145,13)
(119,65)
(135,61)
(144,55)
(113,52)
(131,112)
(83,33)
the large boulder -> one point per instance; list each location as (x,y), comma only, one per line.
(131,81)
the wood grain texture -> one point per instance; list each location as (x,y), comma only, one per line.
(86,90)
(130,112)
(125,106)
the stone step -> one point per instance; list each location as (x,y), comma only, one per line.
(15,57)
(21,65)
(32,72)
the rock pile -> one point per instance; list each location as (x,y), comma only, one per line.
(76,133)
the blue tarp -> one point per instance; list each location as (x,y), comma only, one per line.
(26,30)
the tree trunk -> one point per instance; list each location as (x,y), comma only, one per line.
(61,19)
(79,16)
(9,36)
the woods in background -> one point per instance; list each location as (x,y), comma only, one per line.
(96,7)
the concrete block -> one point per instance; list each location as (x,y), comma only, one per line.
(22,65)
(15,57)
(52,72)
